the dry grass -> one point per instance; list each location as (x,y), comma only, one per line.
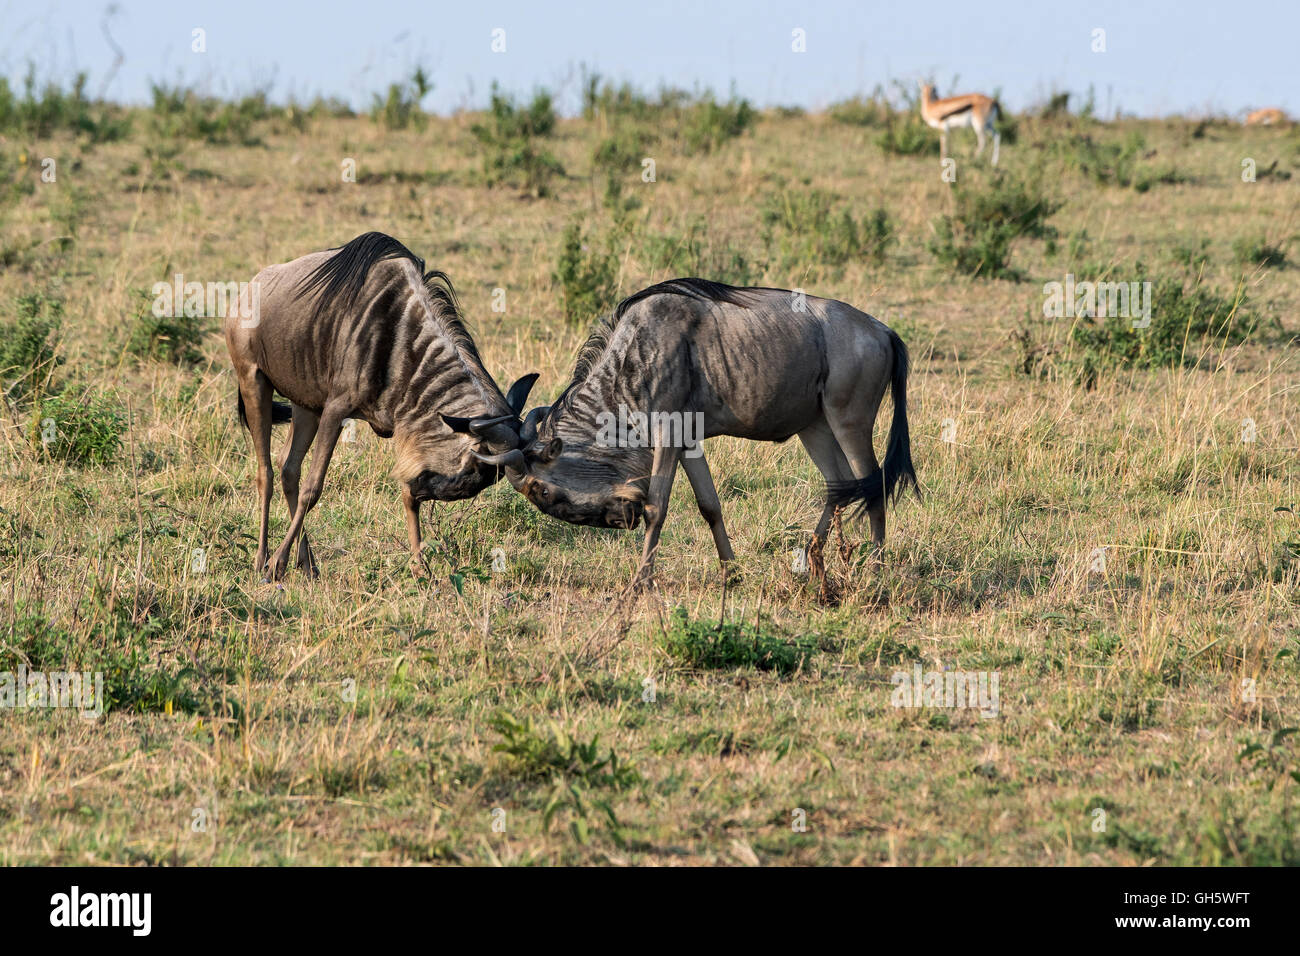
(1120,689)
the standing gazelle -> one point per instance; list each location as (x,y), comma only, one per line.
(970,109)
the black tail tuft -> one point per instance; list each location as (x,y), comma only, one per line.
(343,274)
(281,412)
(898,473)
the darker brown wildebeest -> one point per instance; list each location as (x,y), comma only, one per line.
(689,359)
(364,332)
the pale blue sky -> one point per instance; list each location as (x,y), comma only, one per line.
(1161,56)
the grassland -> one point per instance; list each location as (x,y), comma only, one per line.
(374,716)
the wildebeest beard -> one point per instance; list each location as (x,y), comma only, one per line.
(432,486)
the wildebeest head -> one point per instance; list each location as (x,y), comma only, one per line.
(452,463)
(570,483)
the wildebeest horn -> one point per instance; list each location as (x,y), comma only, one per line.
(512,460)
(528,433)
(518,393)
(478,427)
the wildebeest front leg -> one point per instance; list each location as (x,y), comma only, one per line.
(331,424)
(656,507)
(301,434)
(706,496)
(411,506)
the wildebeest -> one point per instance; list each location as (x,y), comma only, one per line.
(363,332)
(763,364)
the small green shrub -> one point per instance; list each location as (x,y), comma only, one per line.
(988,218)
(1114,163)
(705,644)
(27,347)
(400,107)
(179,113)
(587,277)
(862,111)
(802,228)
(708,124)
(905,134)
(618,157)
(78,429)
(608,103)
(115,647)
(175,339)
(699,252)
(37,114)
(556,755)
(1258,251)
(510,137)
(1184,320)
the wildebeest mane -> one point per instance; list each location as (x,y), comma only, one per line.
(598,340)
(340,279)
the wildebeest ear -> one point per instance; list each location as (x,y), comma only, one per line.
(460,425)
(551,451)
(518,393)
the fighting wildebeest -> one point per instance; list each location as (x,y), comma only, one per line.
(763,364)
(363,332)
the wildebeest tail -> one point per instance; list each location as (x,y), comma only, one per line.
(898,473)
(281,412)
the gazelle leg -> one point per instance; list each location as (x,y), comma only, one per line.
(656,507)
(331,424)
(997,141)
(706,496)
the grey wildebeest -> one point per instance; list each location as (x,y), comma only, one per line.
(763,364)
(363,332)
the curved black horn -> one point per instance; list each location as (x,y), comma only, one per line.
(518,393)
(528,432)
(475,426)
(512,460)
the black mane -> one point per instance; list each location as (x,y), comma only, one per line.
(703,289)
(591,351)
(342,276)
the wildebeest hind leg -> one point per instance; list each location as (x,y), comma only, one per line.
(255,389)
(825,452)
(854,439)
(331,424)
(301,434)
(706,496)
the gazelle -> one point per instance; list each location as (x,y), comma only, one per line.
(1270,116)
(970,109)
